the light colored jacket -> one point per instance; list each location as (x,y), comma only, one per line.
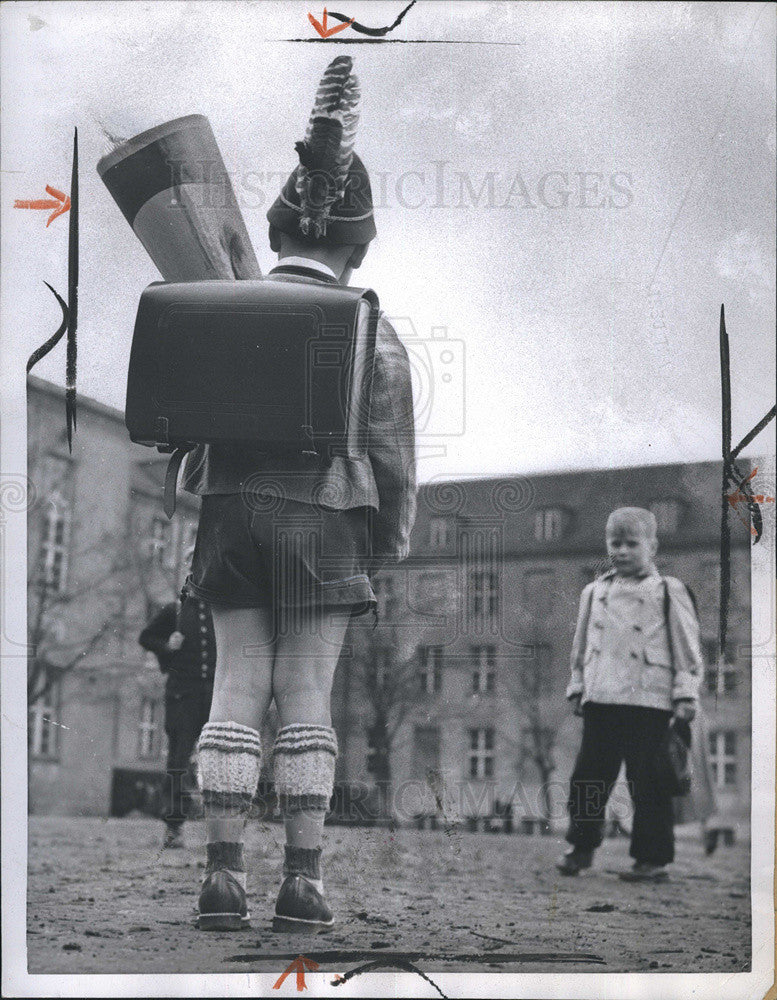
(385,479)
(636,642)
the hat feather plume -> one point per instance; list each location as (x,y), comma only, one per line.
(326,154)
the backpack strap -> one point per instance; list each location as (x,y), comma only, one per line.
(692,597)
(171,477)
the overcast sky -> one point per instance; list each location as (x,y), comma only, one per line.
(570,209)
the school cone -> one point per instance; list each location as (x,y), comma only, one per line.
(172,187)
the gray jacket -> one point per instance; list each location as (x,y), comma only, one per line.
(385,479)
(628,651)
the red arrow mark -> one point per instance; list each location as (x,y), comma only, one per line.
(299,965)
(322,29)
(60,206)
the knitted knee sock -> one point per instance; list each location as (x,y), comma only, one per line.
(304,765)
(229,761)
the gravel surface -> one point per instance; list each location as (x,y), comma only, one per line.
(104,897)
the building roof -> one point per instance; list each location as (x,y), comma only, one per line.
(84,402)
(585,499)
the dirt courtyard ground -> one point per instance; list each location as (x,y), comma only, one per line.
(103,897)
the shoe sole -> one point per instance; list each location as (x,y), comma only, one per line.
(223,921)
(572,871)
(296,925)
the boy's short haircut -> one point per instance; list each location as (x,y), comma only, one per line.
(630,518)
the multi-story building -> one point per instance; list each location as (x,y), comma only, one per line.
(465,674)
(479,623)
(101,555)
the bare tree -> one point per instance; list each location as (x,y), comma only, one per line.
(388,680)
(117,587)
(97,604)
(529,686)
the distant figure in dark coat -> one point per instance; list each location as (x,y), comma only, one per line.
(181,637)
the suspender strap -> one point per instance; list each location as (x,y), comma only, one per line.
(171,478)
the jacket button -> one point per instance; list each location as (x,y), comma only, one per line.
(637,628)
(634,653)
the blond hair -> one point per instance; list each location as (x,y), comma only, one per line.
(629,518)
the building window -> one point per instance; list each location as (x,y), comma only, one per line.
(668,514)
(44,724)
(439,532)
(723,757)
(720,678)
(481,753)
(483,594)
(149,729)
(484,672)
(159,543)
(54,543)
(550,524)
(430,672)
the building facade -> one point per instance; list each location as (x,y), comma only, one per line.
(480,622)
(101,556)
(453,706)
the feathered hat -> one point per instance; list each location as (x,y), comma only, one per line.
(328,196)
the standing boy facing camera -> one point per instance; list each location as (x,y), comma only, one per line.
(636,665)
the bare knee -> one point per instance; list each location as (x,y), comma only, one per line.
(242,686)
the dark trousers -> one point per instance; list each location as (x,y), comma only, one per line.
(612,734)
(186,712)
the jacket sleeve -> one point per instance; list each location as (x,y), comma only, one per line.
(685,641)
(575,685)
(391,446)
(155,635)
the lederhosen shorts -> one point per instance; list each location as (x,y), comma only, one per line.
(281,554)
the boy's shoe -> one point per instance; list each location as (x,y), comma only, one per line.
(575,860)
(301,907)
(173,838)
(222,905)
(644,871)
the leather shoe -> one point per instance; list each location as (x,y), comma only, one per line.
(575,860)
(644,871)
(301,907)
(222,905)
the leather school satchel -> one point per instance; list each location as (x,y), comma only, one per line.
(674,764)
(282,365)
